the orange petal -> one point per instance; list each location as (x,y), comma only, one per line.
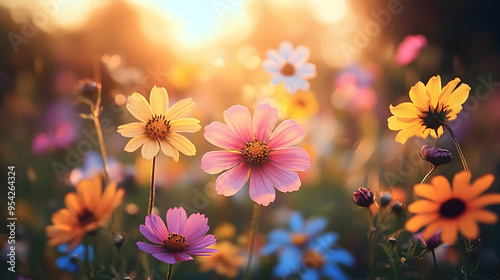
(73,203)
(449,233)
(442,186)
(482,184)
(64,217)
(423,206)
(468,226)
(485,200)
(86,191)
(461,186)
(430,230)
(420,220)
(426,191)
(485,216)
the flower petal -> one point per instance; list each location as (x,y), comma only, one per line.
(405,110)
(442,187)
(423,206)
(151,249)
(189,125)
(156,226)
(149,235)
(293,158)
(420,97)
(138,106)
(135,143)
(307,70)
(218,161)
(485,200)
(220,135)
(459,95)
(461,186)
(169,150)
(395,123)
(418,221)
(182,144)
(166,257)
(195,227)
(231,181)
(261,190)
(485,216)
(286,50)
(201,243)
(176,217)
(264,120)
(158,99)
(299,55)
(277,79)
(239,121)
(482,184)
(288,133)
(182,256)
(271,66)
(290,84)
(180,109)
(426,191)
(150,149)
(447,90)
(469,227)
(132,129)
(434,89)
(285,180)
(449,232)
(275,56)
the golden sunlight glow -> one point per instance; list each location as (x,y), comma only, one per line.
(328,11)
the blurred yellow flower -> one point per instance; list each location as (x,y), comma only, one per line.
(225,231)
(86,210)
(159,126)
(226,262)
(430,108)
(452,209)
(299,106)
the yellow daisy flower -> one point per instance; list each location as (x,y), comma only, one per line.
(431,106)
(159,125)
(452,209)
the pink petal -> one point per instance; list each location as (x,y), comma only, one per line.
(166,257)
(264,120)
(151,249)
(182,257)
(409,49)
(288,133)
(218,161)
(285,180)
(202,252)
(261,190)
(293,158)
(239,121)
(149,235)
(231,181)
(156,226)
(201,243)
(176,217)
(220,135)
(195,227)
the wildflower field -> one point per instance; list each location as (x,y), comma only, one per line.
(250,139)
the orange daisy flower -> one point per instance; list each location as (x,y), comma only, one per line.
(452,209)
(86,210)
(431,106)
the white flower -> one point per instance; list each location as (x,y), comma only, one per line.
(289,65)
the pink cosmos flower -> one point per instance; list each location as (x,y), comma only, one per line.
(184,236)
(253,150)
(409,49)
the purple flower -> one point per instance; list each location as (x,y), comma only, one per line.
(433,242)
(363,197)
(436,156)
(184,236)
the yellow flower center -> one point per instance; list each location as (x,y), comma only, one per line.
(313,259)
(157,128)
(452,208)
(433,119)
(299,239)
(175,242)
(288,69)
(256,152)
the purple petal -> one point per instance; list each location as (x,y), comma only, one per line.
(176,217)
(195,227)
(201,243)
(182,256)
(151,237)
(285,180)
(166,257)
(156,226)
(202,252)
(152,249)
(261,189)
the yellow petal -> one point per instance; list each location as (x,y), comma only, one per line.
(395,124)
(150,149)
(158,99)
(434,88)
(182,144)
(405,110)
(135,143)
(420,97)
(138,106)
(458,96)
(169,150)
(132,129)
(447,90)
(185,125)
(180,109)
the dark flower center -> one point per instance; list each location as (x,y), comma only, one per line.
(452,208)
(256,152)
(299,239)
(157,128)
(288,69)
(313,259)
(86,217)
(434,118)
(175,242)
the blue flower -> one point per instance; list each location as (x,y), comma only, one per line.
(306,251)
(67,262)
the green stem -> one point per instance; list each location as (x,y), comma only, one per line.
(464,256)
(435,264)
(96,112)
(169,272)
(433,168)
(253,231)
(152,188)
(460,153)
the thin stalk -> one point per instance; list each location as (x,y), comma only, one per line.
(103,149)
(152,188)
(433,168)
(464,256)
(435,264)
(253,231)
(460,153)
(169,272)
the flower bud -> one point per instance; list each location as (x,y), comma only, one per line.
(88,88)
(397,207)
(363,197)
(393,240)
(436,156)
(118,239)
(385,199)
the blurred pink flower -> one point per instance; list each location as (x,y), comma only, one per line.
(289,65)
(254,151)
(409,49)
(178,240)
(353,89)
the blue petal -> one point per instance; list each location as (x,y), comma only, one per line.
(62,248)
(341,256)
(279,236)
(310,274)
(334,272)
(325,242)
(62,262)
(296,222)
(315,226)
(289,261)
(269,249)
